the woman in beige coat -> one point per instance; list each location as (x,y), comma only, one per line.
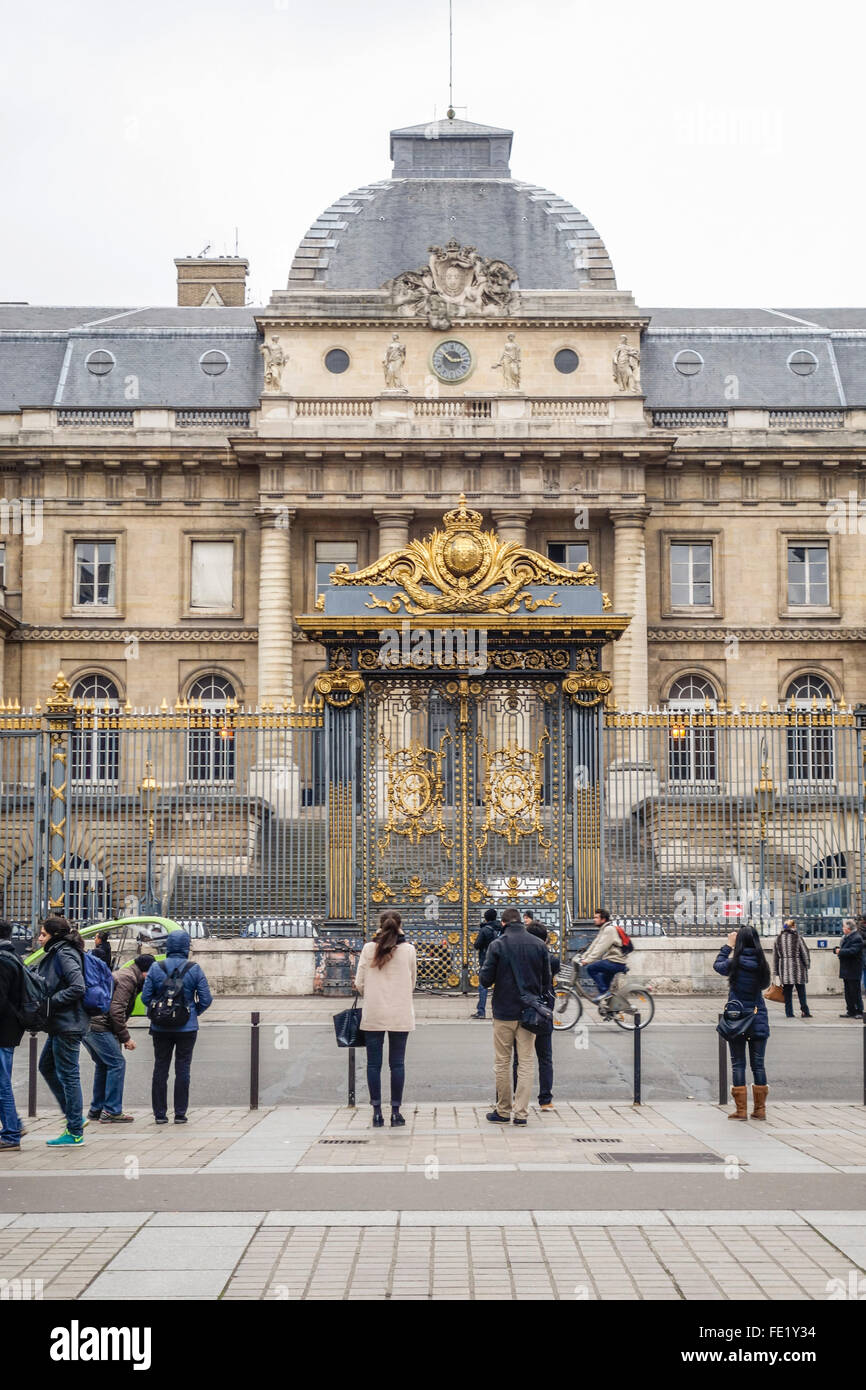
(386,978)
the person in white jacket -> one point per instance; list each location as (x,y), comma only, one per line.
(386,974)
(605,957)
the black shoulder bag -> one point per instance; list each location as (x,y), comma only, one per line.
(536,1017)
(347,1027)
(736,1020)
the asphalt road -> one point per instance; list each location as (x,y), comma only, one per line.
(300,1064)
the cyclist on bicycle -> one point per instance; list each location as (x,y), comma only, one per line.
(606,956)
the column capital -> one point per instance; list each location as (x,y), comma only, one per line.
(399,515)
(515,514)
(275,518)
(630,516)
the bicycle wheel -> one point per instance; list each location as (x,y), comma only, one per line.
(641,1003)
(567,1009)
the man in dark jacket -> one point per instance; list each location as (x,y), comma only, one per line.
(490,928)
(107,1038)
(850,954)
(543,1041)
(514,953)
(62,968)
(177,1041)
(11,1033)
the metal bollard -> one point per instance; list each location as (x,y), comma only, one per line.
(637,1075)
(723,1068)
(255,1019)
(32,1077)
(352,1077)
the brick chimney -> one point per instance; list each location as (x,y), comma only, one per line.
(213,280)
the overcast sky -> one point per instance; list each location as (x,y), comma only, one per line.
(717,148)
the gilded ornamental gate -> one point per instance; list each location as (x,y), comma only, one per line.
(462,710)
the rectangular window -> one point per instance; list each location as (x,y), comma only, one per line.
(808,575)
(568,553)
(94,573)
(691,575)
(212,574)
(329,554)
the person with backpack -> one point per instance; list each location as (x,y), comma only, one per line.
(65,1020)
(747,970)
(107,1039)
(11,1033)
(175,992)
(490,928)
(606,956)
(517,965)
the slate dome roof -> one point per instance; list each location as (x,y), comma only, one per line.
(451,178)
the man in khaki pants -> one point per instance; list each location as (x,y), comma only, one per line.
(514,954)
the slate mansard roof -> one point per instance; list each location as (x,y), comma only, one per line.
(450,179)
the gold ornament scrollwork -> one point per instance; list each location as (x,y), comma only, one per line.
(513,792)
(340,687)
(415,792)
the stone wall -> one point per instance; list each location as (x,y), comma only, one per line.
(685,965)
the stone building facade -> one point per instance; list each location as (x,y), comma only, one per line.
(178,482)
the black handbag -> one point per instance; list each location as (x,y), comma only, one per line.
(736,1020)
(536,1017)
(347,1026)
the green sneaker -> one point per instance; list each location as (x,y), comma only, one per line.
(65,1138)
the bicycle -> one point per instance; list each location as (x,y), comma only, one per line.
(625,1002)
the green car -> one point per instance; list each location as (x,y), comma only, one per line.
(123,926)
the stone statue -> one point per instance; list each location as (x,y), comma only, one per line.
(456,282)
(510,364)
(626,366)
(393,363)
(275,360)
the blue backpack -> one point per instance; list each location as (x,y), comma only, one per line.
(99,985)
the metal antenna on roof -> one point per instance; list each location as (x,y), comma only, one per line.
(450,60)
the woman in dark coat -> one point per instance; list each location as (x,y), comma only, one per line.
(791,965)
(743,962)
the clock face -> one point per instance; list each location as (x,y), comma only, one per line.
(452,361)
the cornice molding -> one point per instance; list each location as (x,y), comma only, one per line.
(142,634)
(756,634)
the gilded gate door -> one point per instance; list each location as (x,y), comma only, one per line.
(464,807)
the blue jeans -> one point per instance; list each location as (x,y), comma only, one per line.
(544,1053)
(10,1125)
(603,971)
(59,1066)
(109,1070)
(757,1051)
(396,1065)
(482,1000)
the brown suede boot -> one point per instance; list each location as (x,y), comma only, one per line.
(740,1095)
(759,1096)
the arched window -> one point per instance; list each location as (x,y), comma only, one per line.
(210,753)
(811,748)
(691,750)
(96,749)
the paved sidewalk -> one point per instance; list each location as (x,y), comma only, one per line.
(406,1249)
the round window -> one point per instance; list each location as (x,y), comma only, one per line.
(566,360)
(337,360)
(803,362)
(213,363)
(688,362)
(99,362)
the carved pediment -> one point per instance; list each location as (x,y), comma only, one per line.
(455,282)
(464,569)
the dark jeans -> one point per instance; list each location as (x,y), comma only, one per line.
(59,1066)
(757,1049)
(10,1125)
(109,1070)
(853,996)
(544,1053)
(482,1001)
(396,1065)
(603,971)
(164,1044)
(788,991)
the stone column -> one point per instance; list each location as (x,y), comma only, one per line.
(630,684)
(275,606)
(393,530)
(511,525)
